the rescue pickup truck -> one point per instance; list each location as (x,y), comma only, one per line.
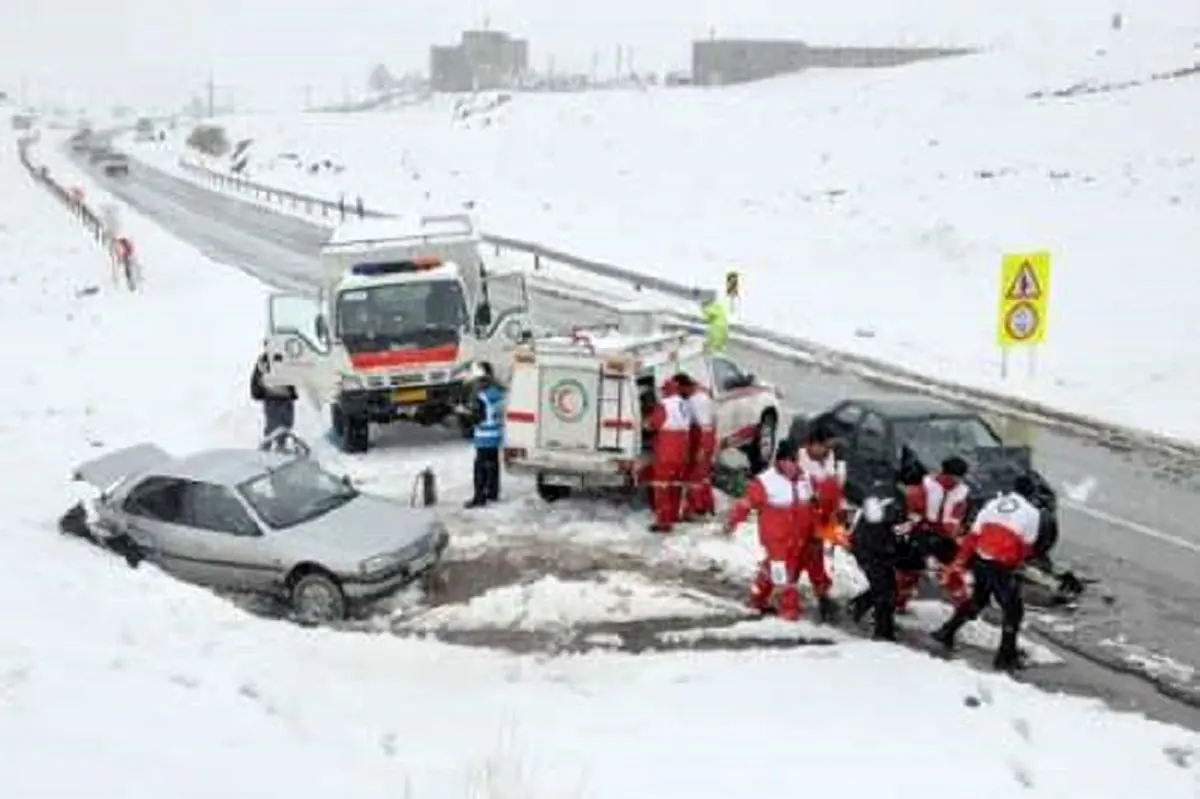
(576,403)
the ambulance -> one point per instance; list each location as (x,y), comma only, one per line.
(576,403)
(405,311)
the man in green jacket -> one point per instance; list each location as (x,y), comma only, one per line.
(716,322)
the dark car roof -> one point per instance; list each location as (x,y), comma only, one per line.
(912,407)
(227,467)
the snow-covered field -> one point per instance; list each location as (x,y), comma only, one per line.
(868,210)
(121,683)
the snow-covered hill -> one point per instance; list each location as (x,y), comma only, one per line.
(868,210)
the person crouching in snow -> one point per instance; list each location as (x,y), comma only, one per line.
(699,502)
(827,475)
(488,436)
(278,405)
(783,498)
(670,422)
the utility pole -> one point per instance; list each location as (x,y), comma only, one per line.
(211,88)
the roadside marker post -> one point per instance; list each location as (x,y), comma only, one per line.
(733,290)
(1022,312)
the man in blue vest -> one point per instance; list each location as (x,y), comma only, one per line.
(488,435)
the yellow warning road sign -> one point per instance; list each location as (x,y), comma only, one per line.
(1024,297)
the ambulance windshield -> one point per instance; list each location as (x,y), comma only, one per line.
(421,314)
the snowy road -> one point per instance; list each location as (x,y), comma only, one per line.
(1127,516)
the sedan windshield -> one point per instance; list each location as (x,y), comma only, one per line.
(295,493)
(934,440)
(422,314)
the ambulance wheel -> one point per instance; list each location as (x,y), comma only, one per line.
(551,493)
(762,449)
(352,432)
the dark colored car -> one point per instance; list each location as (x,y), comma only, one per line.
(903,439)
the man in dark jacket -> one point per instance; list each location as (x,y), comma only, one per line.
(877,547)
(488,435)
(279,406)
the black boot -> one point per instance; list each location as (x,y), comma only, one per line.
(946,634)
(861,605)
(1008,657)
(827,610)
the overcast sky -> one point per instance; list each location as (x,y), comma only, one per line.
(101,51)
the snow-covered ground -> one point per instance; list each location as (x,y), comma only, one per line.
(867,210)
(116,682)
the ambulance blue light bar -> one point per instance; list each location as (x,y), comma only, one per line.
(395,267)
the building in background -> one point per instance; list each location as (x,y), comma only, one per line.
(483,60)
(721,61)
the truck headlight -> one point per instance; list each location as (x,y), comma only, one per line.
(351,383)
(379,563)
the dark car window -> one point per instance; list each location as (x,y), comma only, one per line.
(158,498)
(726,374)
(212,507)
(934,440)
(871,439)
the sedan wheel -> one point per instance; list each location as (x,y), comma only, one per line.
(318,599)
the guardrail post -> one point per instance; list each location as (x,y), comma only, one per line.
(537,261)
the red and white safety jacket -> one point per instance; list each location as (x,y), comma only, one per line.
(828,477)
(671,421)
(1004,532)
(702,410)
(784,506)
(939,503)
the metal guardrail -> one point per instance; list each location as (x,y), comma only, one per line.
(865,367)
(69,199)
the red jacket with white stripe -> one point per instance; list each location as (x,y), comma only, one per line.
(784,506)
(828,477)
(1004,532)
(671,422)
(939,503)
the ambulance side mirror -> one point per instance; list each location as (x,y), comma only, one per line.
(322,330)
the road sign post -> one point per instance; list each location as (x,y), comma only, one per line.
(733,290)
(1024,301)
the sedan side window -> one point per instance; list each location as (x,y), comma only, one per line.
(727,375)
(215,508)
(157,498)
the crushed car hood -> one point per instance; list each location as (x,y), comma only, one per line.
(364,527)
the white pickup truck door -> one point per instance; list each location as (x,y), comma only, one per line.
(297,346)
(734,413)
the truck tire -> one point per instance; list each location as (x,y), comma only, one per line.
(551,493)
(352,432)
(762,449)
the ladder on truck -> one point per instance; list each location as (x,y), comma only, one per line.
(609,404)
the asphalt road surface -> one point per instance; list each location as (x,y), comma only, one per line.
(1128,517)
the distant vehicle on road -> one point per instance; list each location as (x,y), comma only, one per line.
(115,164)
(144,130)
(260,522)
(903,439)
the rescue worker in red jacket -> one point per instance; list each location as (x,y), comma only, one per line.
(670,422)
(1002,538)
(936,508)
(827,476)
(783,497)
(699,502)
